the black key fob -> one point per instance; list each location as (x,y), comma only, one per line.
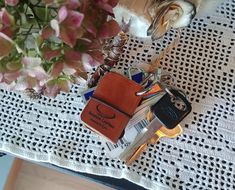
(171,109)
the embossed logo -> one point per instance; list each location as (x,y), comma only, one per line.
(104,112)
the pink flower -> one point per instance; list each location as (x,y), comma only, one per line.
(47,32)
(88,62)
(69,21)
(69,17)
(11,2)
(66,27)
(69,66)
(107,5)
(73,63)
(9,77)
(109,29)
(6,23)
(53,87)
(10,71)
(32,67)
(49,54)
(5,17)
(24,73)
(57,69)
(52,45)
(32,75)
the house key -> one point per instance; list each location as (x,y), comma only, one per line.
(162,132)
(168,112)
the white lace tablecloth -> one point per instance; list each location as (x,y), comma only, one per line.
(203,157)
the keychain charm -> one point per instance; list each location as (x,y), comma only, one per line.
(111,106)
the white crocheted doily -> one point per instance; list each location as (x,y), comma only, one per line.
(203,157)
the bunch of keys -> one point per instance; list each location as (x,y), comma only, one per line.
(145,127)
(115,101)
(113,104)
(164,117)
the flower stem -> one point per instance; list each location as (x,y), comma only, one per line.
(46,12)
(28,32)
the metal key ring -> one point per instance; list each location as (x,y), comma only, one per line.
(146,90)
(152,79)
(147,79)
(142,92)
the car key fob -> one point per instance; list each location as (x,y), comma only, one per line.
(171,109)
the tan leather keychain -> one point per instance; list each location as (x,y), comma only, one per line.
(112,105)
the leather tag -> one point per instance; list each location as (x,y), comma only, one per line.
(112,105)
(104,119)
